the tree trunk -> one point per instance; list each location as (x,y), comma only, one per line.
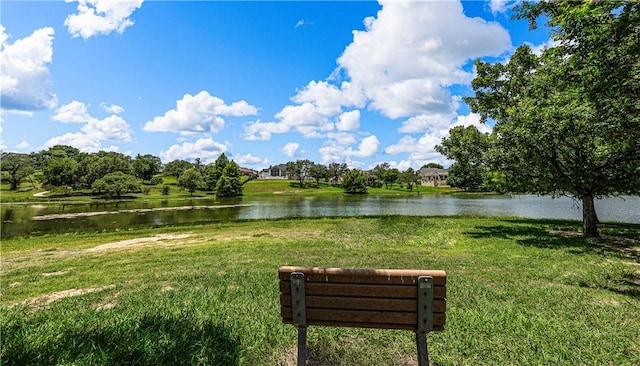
(589,217)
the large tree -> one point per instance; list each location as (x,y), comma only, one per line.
(18,168)
(390,176)
(468,147)
(229,184)
(299,170)
(191,180)
(92,167)
(213,172)
(409,177)
(176,167)
(354,182)
(146,166)
(116,184)
(567,121)
(318,172)
(336,171)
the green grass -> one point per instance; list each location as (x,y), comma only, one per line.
(254,188)
(520,292)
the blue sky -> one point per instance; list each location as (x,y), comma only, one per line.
(357,82)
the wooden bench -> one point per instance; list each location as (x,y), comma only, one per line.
(365,298)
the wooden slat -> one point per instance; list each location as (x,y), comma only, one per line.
(331,316)
(382,291)
(436,328)
(355,303)
(369,276)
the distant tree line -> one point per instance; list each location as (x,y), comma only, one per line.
(354,181)
(65,168)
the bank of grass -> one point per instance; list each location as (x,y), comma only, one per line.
(520,292)
(27,192)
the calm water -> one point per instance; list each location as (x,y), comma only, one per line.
(57,217)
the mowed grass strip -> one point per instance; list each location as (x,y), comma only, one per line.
(520,292)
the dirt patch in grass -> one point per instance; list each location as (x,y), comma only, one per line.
(49,298)
(628,247)
(58,273)
(137,242)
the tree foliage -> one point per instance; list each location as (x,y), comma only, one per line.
(229,184)
(60,172)
(409,177)
(18,168)
(92,167)
(191,180)
(336,171)
(299,170)
(319,172)
(212,173)
(568,120)
(146,166)
(390,177)
(116,184)
(433,165)
(469,148)
(354,182)
(376,179)
(176,167)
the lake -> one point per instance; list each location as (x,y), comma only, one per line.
(69,217)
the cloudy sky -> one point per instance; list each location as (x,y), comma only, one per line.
(357,82)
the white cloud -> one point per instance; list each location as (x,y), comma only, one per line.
(290,149)
(249,159)
(328,98)
(24,77)
(94,132)
(501,6)
(113,108)
(319,103)
(333,151)
(343,138)
(96,17)
(262,130)
(402,65)
(74,112)
(349,121)
(367,148)
(422,150)
(427,122)
(199,113)
(414,50)
(538,49)
(206,149)
(306,119)
(24,145)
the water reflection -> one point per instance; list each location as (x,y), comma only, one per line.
(19,219)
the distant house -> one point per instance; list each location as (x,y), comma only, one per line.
(246,172)
(433,177)
(274,172)
(5,155)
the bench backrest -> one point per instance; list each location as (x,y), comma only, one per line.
(365,298)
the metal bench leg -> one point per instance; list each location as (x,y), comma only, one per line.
(423,350)
(302,346)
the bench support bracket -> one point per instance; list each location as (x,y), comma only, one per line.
(299,310)
(425,317)
(423,350)
(302,346)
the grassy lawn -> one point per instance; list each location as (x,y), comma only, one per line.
(520,292)
(254,188)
